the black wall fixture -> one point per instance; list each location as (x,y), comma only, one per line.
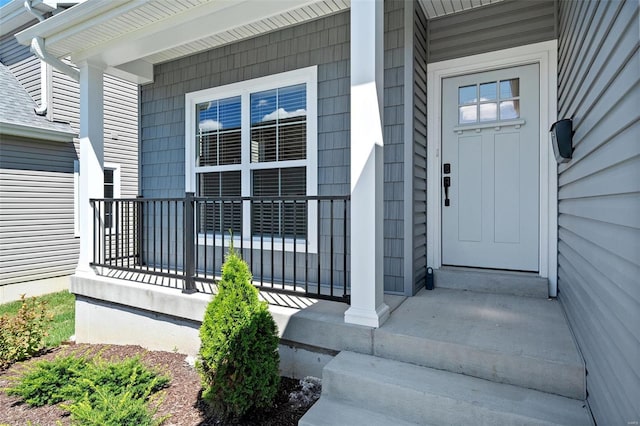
(562,140)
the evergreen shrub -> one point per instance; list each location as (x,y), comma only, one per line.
(239,358)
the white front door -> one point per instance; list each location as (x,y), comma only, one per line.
(490,169)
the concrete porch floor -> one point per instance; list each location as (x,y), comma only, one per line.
(508,339)
(503,338)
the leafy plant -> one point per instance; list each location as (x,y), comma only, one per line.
(102,406)
(49,382)
(22,335)
(99,392)
(239,345)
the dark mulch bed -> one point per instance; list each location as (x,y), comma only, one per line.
(181,398)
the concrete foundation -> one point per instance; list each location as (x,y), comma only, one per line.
(115,311)
(12,292)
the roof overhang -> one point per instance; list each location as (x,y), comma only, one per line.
(129,37)
(20,130)
(14,15)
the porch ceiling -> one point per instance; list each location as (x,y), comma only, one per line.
(129,36)
(436,8)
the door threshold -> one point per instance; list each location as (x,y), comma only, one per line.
(490,270)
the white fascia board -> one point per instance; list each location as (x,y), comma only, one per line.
(192,25)
(75,19)
(138,72)
(13,15)
(22,131)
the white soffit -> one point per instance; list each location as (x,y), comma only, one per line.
(436,8)
(157,31)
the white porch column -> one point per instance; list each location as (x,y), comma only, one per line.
(367,67)
(91,156)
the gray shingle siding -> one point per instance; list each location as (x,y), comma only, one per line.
(599,199)
(419,148)
(497,26)
(394,146)
(323,42)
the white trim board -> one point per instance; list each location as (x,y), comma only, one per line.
(544,54)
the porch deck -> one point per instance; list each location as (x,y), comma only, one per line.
(518,340)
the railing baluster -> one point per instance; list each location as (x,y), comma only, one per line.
(261,242)
(272,238)
(295,240)
(344,248)
(331,249)
(319,204)
(283,238)
(306,253)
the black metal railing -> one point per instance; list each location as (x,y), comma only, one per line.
(294,245)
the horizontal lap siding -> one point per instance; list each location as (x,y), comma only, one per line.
(36,210)
(419,148)
(22,63)
(505,24)
(120,122)
(599,199)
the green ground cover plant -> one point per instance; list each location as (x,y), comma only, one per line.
(95,391)
(239,345)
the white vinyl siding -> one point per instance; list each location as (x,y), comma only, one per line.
(599,199)
(120,122)
(37,210)
(22,63)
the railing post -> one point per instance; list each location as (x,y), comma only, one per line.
(139,228)
(189,245)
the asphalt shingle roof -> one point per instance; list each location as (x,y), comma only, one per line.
(16,106)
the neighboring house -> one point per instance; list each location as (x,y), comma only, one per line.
(39,171)
(351,145)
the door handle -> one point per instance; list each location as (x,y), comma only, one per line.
(446,183)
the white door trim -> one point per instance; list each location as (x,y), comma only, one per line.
(544,54)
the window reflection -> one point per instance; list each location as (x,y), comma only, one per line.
(488,92)
(480,102)
(467,95)
(509,109)
(489,112)
(510,88)
(467,114)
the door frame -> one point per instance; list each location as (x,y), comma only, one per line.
(545,55)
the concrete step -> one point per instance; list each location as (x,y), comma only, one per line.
(500,282)
(423,395)
(520,341)
(328,412)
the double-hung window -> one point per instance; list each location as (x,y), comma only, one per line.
(255,138)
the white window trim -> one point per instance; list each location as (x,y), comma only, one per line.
(76,198)
(117,188)
(544,54)
(308,76)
